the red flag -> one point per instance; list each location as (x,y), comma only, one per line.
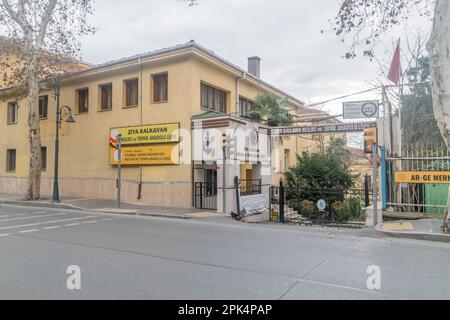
(396,68)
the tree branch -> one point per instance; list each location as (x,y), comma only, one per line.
(44,22)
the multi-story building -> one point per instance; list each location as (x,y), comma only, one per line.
(185,87)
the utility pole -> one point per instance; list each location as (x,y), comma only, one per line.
(387,104)
(65,111)
(224,174)
(119,167)
(58,121)
(375,183)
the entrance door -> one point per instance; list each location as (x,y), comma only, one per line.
(206,192)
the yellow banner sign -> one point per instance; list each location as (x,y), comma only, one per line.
(149,134)
(431,177)
(147,155)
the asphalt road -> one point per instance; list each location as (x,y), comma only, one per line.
(125,257)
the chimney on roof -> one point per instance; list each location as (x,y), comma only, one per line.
(254,66)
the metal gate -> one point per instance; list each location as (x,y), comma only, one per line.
(205,196)
(416,183)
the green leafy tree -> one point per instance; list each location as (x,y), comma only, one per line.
(319,171)
(319,176)
(269,108)
(419,124)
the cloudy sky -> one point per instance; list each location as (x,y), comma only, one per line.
(286,34)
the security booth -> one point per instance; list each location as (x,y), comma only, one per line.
(225,147)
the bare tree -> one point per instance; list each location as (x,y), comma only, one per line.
(41,38)
(367,20)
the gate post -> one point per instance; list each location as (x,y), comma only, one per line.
(383,178)
(375,183)
(238,203)
(281,196)
(366,191)
(201,195)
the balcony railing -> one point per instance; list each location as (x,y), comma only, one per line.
(251,187)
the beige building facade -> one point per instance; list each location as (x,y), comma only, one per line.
(184,85)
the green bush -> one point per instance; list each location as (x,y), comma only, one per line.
(351,210)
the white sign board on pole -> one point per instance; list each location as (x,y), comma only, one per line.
(361,109)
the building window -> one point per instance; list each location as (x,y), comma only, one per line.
(106,97)
(245,106)
(213,99)
(11,160)
(43,158)
(160,87)
(83,100)
(211,182)
(131,93)
(287,159)
(43,107)
(12,113)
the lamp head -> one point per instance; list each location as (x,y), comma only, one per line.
(70,119)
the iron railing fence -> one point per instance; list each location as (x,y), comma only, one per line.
(250,187)
(424,197)
(342,207)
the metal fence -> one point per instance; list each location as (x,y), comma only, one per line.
(425,198)
(303,206)
(250,187)
(420,150)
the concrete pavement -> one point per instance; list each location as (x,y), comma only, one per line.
(424,229)
(107,206)
(132,257)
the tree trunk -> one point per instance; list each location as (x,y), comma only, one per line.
(34,176)
(439,50)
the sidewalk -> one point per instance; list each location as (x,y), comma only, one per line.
(110,206)
(427,229)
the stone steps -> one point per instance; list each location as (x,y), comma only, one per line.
(291,215)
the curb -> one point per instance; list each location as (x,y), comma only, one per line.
(41,204)
(416,235)
(72,207)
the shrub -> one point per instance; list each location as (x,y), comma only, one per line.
(351,210)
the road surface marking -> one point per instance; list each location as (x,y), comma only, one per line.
(5,235)
(47,222)
(5,216)
(107,220)
(32,217)
(51,228)
(88,222)
(39,212)
(20,214)
(72,225)
(28,231)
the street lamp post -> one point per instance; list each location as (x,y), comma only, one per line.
(67,111)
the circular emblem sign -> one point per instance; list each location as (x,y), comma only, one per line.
(321,205)
(369,109)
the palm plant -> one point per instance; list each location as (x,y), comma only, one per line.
(269,108)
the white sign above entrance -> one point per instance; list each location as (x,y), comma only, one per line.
(361,109)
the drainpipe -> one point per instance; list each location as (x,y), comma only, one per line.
(139,197)
(238,91)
